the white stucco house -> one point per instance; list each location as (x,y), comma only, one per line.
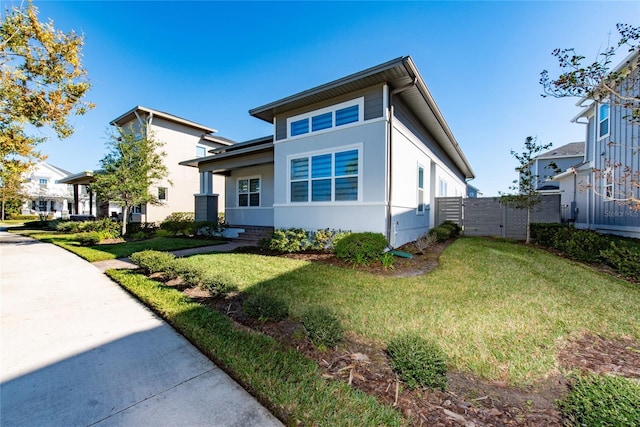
(368,152)
(45,194)
(182,139)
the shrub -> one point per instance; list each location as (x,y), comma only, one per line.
(585,245)
(562,237)
(141,230)
(289,240)
(68,227)
(623,258)
(361,248)
(153,261)
(387,259)
(418,362)
(596,400)
(218,284)
(264,307)
(326,239)
(89,238)
(178,223)
(543,234)
(322,326)
(441,234)
(455,228)
(15,216)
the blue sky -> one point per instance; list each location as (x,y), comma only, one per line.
(211,62)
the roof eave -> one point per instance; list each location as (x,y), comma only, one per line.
(126,117)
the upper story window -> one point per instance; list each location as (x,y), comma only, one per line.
(420,208)
(325,177)
(326,118)
(162,193)
(43,181)
(249,192)
(603,120)
(200,151)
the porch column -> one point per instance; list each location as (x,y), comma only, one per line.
(90,200)
(75,199)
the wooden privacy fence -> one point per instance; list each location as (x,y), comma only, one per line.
(488,216)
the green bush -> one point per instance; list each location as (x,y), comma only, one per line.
(418,362)
(326,239)
(562,237)
(265,307)
(623,258)
(153,261)
(543,234)
(89,238)
(15,216)
(441,234)
(596,400)
(178,223)
(361,248)
(585,246)
(289,240)
(141,230)
(455,228)
(322,326)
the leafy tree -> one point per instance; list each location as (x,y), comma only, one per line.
(526,194)
(620,86)
(42,83)
(10,187)
(132,165)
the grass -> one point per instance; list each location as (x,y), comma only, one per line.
(282,379)
(116,250)
(498,310)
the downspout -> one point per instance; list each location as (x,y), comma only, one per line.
(389,147)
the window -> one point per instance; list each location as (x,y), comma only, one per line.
(443,188)
(53,206)
(43,181)
(200,151)
(162,193)
(326,118)
(249,192)
(608,184)
(42,205)
(420,208)
(326,177)
(603,120)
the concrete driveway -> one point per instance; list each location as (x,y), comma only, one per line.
(77,350)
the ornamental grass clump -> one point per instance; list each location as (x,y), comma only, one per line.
(266,307)
(418,362)
(323,326)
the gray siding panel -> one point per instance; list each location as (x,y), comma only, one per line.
(590,138)
(373,107)
(281,128)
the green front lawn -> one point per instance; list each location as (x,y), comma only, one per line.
(116,250)
(499,310)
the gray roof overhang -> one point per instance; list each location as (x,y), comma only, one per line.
(396,73)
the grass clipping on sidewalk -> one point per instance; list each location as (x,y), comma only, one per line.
(282,379)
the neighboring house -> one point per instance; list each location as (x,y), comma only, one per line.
(182,139)
(472,192)
(46,195)
(368,152)
(556,161)
(596,187)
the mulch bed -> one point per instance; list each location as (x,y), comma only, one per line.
(468,401)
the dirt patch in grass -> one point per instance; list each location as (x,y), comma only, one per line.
(467,401)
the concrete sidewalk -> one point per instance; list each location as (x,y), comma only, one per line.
(77,350)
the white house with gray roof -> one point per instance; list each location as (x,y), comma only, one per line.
(367,152)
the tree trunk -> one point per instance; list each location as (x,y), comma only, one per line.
(3,204)
(125,216)
(528,240)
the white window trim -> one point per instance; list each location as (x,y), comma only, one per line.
(332,109)
(166,194)
(607,186)
(333,202)
(446,187)
(418,190)
(198,148)
(599,121)
(249,192)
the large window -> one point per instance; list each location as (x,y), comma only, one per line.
(326,118)
(326,177)
(603,120)
(420,208)
(249,192)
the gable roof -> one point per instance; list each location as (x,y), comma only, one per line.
(133,114)
(397,73)
(573,149)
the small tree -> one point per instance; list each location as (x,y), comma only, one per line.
(620,87)
(526,194)
(10,185)
(42,82)
(134,163)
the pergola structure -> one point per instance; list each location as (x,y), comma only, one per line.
(83,178)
